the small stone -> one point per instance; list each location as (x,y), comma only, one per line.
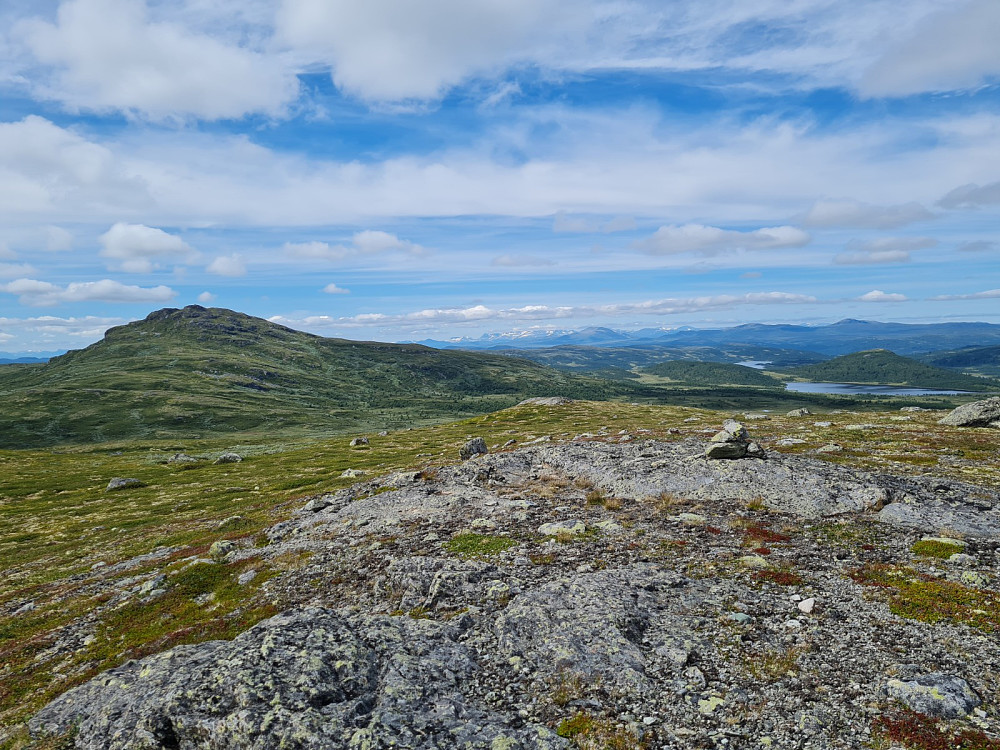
(792,624)
(24,609)
(798,413)
(562,527)
(352,473)
(246,576)
(317,504)
(741,617)
(692,519)
(830,448)
(726,450)
(806,605)
(475,447)
(123,483)
(975,579)
(229,458)
(359,441)
(707,706)
(960,558)
(822,424)
(221,548)
(484,524)
(608,527)
(182,458)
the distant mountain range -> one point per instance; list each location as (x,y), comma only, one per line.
(843,337)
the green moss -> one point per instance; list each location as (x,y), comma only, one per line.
(478,545)
(918,596)
(934,548)
(598,733)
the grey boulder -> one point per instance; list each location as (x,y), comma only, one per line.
(985,413)
(475,447)
(939,695)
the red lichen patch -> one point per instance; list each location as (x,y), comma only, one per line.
(713,529)
(779,577)
(921,732)
(759,533)
(762,550)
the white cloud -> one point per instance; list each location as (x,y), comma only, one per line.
(857,215)
(954,49)
(520,261)
(206,297)
(476,313)
(871,257)
(882,250)
(228,265)
(334,289)
(50,171)
(367,242)
(50,333)
(13,270)
(57,239)
(45,294)
(134,247)
(877,295)
(978,246)
(972,196)
(108,55)
(390,50)
(988,294)
(698,238)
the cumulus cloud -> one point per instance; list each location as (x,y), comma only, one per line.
(849,214)
(45,294)
(953,49)
(563,222)
(206,297)
(390,50)
(972,196)
(368,242)
(134,247)
(334,289)
(476,313)
(228,265)
(988,294)
(705,240)
(877,295)
(109,55)
(520,261)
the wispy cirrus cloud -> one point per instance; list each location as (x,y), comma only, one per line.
(851,214)
(988,294)
(707,240)
(364,243)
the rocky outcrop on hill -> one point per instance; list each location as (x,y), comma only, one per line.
(985,413)
(591,594)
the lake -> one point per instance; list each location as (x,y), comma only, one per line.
(852,389)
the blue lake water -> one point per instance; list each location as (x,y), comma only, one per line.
(852,389)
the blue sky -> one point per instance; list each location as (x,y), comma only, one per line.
(398,171)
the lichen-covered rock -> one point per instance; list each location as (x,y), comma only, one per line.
(555,528)
(311,679)
(359,441)
(229,458)
(475,447)
(123,483)
(977,414)
(939,695)
(221,548)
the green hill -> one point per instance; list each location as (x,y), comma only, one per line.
(882,367)
(199,372)
(712,373)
